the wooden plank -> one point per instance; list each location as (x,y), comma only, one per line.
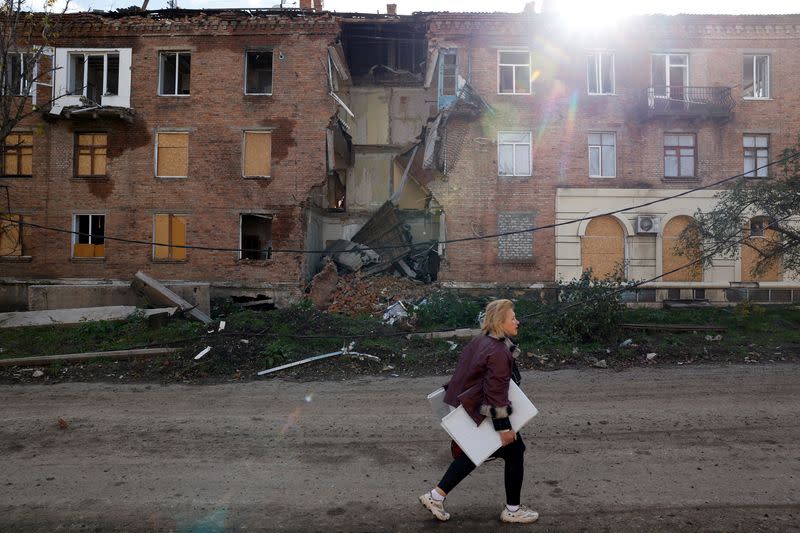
(73,357)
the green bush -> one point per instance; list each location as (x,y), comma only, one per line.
(447,310)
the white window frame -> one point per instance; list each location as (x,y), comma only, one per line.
(514,145)
(75,231)
(176,53)
(514,71)
(272,81)
(767,82)
(756,172)
(85,81)
(22,89)
(597,57)
(61,66)
(667,64)
(598,149)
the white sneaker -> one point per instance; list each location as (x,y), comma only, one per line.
(523,515)
(436,508)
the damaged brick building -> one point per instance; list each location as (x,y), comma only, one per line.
(265,132)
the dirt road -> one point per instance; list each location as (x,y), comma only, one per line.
(683,449)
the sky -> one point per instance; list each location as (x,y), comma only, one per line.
(580,8)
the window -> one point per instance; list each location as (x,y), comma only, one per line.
(755,76)
(169,237)
(600,72)
(679,155)
(514,72)
(93,75)
(10,235)
(756,156)
(448,76)
(91,149)
(518,246)
(259,72)
(514,153)
(256,236)
(257,154)
(602,155)
(758,226)
(669,75)
(88,241)
(17,74)
(174,73)
(18,154)
(172,154)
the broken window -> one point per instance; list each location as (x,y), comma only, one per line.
(169,236)
(514,72)
(88,241)
(758,226)
(174,73)
(18,154)
(517,246)
(600,72)
(756,76)
(91,150)
(448,76)
(16,75)
(259,72)
(679,156)
(172,154)
(514,153)
(756,156)
(93,75)
(401,47)
(10,235)
(256,236)
(602,155)
(257,154)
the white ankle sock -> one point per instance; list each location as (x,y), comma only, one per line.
(512,508)
(436,496)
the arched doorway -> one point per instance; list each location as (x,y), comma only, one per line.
(670,260)
(603,248)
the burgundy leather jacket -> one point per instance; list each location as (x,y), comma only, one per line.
(480,381)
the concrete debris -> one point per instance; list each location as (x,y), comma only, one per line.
(221,325)
(713,338)
(350,256)
(395,312)
(357,295)
(626,343)
(37,373)
(203,352)
(323,287)
(159,294)
(453,345)
(51,317)
(601,364)
(651,356)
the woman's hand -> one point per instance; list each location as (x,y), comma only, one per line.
(507,437)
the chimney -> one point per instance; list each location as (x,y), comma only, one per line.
(318,5)
(306,4)
(391,9)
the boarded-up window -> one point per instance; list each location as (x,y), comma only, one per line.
(169,235)
(257,154)
(89,237)
(759,241)
(92,149)
(517,246)
(256,236)
(603,248)
(689,270)
(18,154)
(10,235)
(172,154)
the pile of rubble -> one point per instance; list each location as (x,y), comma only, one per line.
(373,295)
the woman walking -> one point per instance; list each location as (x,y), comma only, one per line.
(480,383)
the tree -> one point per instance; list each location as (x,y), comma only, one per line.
(24,39)
(759,215)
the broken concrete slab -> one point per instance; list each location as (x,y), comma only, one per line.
(462,333)
(74,357)
(52,317)
(159,294)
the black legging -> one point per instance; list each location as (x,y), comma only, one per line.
(512,454)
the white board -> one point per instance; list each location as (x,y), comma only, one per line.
(479,442)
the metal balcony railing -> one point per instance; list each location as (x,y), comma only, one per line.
(688,102)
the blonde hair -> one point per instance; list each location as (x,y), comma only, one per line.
(495,315)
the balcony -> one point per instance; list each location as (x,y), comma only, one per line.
(687,102)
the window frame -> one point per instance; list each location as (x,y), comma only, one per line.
(754,173)
(767,83)
(597,57)
(76,237)
(92,155)
(157,147)
(176,53)
(72,91)
(20,150)
(267,216)
(667,64)
(272,70)
(170,245)
(12,220)
(678,147)
(244,153)
(21,88)
(529,144)
(600,153)
(514,66)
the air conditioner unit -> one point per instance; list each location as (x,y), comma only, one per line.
(647,224)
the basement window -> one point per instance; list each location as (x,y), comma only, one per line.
(255,236)
(258,67)
(174,73)
(89,237)
(169,237)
